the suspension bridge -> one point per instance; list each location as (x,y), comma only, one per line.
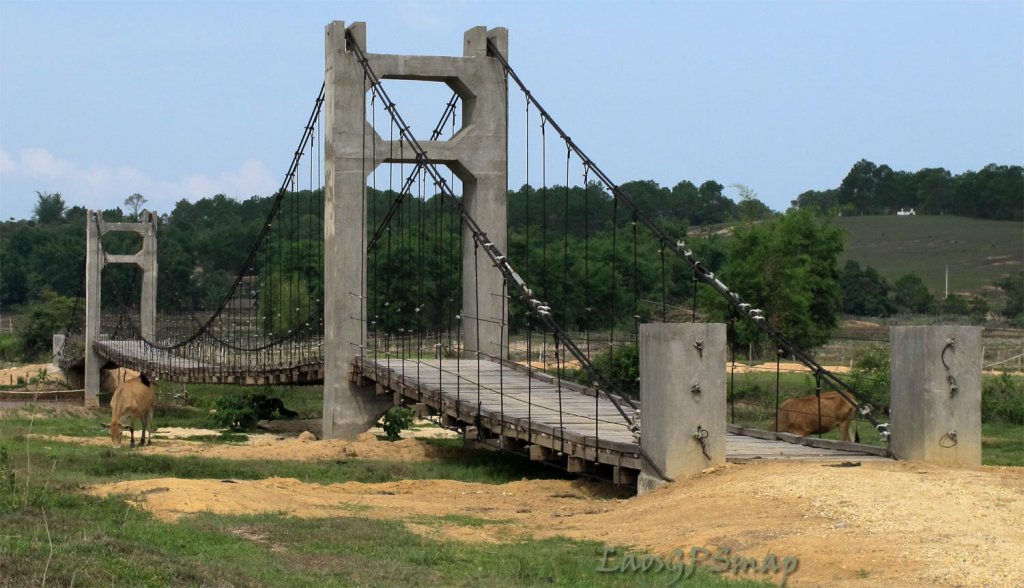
(385,272)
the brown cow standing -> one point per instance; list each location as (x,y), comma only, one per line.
(133,399)
(800,416)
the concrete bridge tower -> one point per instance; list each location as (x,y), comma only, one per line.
(478,154)
(95,260)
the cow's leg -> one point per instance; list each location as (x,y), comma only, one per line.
(131,429)
(844,430)
(146,440)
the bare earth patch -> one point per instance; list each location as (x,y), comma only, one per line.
(167,441)
(884,523)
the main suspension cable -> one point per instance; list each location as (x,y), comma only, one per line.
(701,272)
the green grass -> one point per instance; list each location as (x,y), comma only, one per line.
(978,252)
(70,538)
(50,529)
(85,464)
(1002,444)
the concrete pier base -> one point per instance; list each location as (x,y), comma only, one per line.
(682,394)
(935,408)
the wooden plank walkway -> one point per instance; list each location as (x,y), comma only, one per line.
(513,408)
(164,365)
(504,402)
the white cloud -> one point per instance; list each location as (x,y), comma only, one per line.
(99,186)
(424,16)
(6,163)
(40,163)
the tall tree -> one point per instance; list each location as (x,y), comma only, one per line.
(749,207)
(1014,288)
(49,208)
(134,204)
(787,267)
(910,294)
(865,292)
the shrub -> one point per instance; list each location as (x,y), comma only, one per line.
(241,412)
(621,366)
(395,420)
(52,314)
(10,347)
(871,375)
(1002,400)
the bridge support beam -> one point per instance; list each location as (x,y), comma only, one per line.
(477,154)
(682,395)
(935,406)
(95,260)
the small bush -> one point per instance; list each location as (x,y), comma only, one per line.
(395,420)
(10,347)
(621,366)
(241,412)
(52,314)
(871,376)
(8,482)
(1002,400)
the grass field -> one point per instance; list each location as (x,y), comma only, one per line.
(52,533)
(978,252)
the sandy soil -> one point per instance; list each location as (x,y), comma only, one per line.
(10,376)
(55,379)
(305,447)
(883,523)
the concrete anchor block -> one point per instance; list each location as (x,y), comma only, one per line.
(935,396)
(682,388)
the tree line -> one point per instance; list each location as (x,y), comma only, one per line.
(994,192)
(581,250)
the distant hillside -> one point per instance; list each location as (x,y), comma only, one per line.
(978,252)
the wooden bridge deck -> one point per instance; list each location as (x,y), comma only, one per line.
(503,405)
(164,365)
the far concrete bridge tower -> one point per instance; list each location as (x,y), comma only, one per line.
(95,260)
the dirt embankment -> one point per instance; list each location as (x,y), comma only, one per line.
(883,523)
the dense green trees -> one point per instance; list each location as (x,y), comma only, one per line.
(865,292)
(50,314)
(787,267)
(580,251)
(1014,288)
(911,295)
(994,192)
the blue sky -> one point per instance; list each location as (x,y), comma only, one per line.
(186,99)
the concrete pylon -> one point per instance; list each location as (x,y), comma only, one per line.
(477,154)
(95,260)
(682,395)
(935,394)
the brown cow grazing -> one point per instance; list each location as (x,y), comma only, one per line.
(133,399)
(800,416)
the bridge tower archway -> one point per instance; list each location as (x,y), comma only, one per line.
(478,154)
(95,260)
